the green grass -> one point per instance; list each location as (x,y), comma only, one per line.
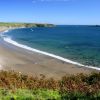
(44,94)
(24,94)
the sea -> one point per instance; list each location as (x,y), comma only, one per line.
(77,44)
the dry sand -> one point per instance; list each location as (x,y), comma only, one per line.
(27,62)
(3,28)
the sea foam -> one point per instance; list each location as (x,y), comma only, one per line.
(5,31)
(9,40)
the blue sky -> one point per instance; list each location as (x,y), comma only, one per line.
(51,11)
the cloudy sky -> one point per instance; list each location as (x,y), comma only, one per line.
(51,11)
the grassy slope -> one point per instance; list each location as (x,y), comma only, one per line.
(16,85)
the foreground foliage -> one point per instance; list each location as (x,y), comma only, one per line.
(73,87)
(43,94)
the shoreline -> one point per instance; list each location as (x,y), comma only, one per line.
(60,67)
(48,54)
(12,42)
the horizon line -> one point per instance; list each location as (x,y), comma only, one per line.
(46,23)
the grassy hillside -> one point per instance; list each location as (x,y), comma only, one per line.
(16,86)
(25,25)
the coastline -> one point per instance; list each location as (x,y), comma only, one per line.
(48,54)
(37,62)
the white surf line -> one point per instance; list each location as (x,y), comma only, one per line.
(5,31)
(47,54)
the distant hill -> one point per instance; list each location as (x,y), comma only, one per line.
(94,25)
(97,25)
(3,24)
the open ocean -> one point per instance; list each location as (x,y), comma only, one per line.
(77,43)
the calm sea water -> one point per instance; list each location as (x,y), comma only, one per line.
(77,43)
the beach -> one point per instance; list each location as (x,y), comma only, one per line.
(32,63)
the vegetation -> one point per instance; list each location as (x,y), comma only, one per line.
(25,25)
(16,86)
(24,94)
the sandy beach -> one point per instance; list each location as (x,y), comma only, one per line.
(32,63)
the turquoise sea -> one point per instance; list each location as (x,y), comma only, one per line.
(75,42)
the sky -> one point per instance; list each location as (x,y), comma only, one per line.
(70,12)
